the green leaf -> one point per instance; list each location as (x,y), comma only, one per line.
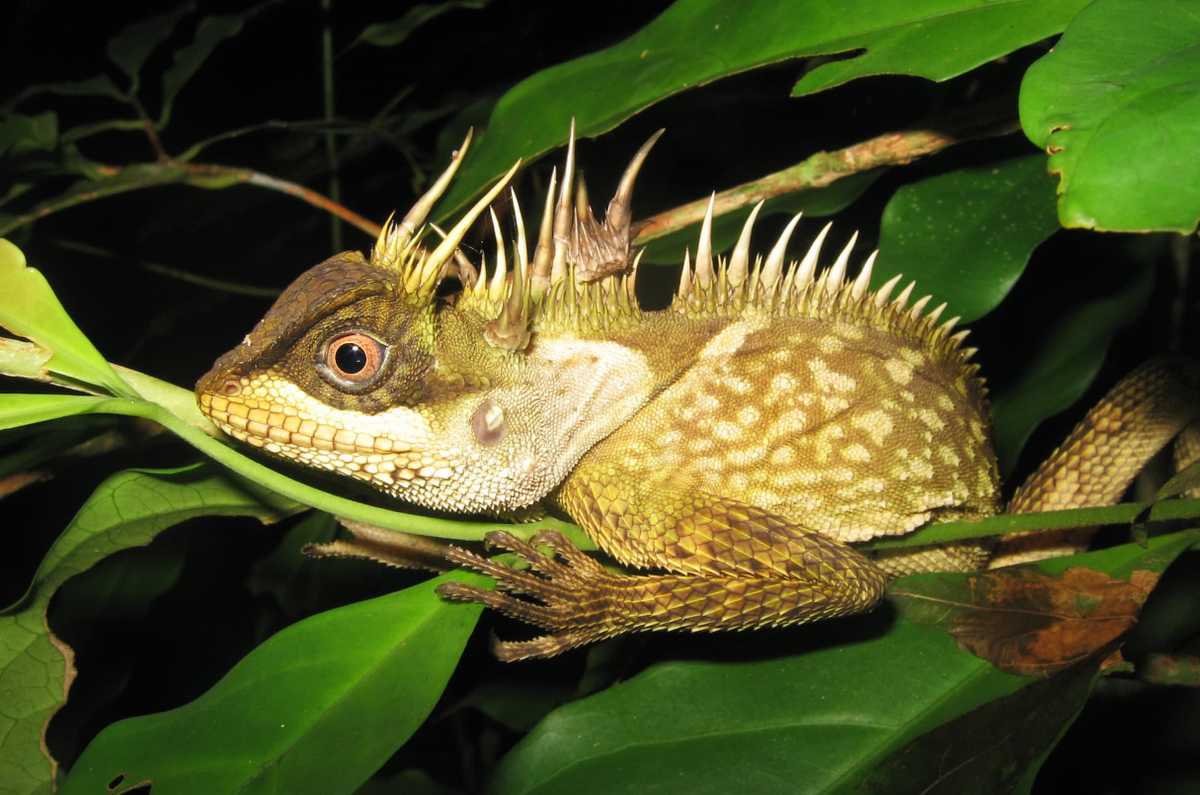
(390,34)
(1117,105)
(1066,360)
(22,133)
(967,236)
(316,709)
(998,747)
(130,48)
(211,31)
(95,86)
(128,509)
(936,39)
(1187,479)
(823,716)
(29,309)
(848,703)
(695,42)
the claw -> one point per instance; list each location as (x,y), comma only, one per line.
(560,587)
(575,558)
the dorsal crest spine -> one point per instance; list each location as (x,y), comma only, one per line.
(582,275)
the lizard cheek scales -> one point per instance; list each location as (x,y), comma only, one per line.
(738,442)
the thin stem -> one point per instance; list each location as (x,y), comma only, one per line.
(315,199)
(825,168)
(202,174)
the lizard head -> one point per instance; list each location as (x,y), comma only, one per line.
(359,368)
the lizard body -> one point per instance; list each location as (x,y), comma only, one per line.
(738,441)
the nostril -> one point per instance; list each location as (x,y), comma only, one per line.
(230,387)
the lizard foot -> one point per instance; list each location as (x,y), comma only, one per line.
(575,595)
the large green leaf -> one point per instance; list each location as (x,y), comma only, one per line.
(1117,105)
(695,42)
(967,236)
(938,40)
(823,720)
(126,510)
(316,709)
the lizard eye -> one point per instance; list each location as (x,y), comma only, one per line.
(352,361)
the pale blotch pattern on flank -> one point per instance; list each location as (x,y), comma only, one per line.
(930,418)
(907,397)
(802,479)
(670,458)
(706,402)
(829,380)
(833,406)
(863,486)
(790,423)
(856,452)
(849,331)
(984,486)
(878,425)
(729,340)
(783,455)
(748,457)
(945,403)
(783,382)
(826,441)
(748,415)
(809,502)
(736,384)
(727,431)
(830,344)
(900,372)
(701,444)
(921,468)
(948,457)
(914,357)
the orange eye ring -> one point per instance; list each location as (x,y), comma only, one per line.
(353,359)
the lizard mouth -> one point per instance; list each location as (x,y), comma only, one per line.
(270,419)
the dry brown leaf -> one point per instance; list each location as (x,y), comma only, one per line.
(1028,622)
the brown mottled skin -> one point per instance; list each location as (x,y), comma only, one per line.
(736,444)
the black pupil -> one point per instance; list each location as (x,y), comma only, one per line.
(350,358)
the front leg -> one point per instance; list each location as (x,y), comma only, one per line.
(733,566)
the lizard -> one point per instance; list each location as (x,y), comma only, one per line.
(731,448)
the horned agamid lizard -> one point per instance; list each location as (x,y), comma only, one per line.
(737,442)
